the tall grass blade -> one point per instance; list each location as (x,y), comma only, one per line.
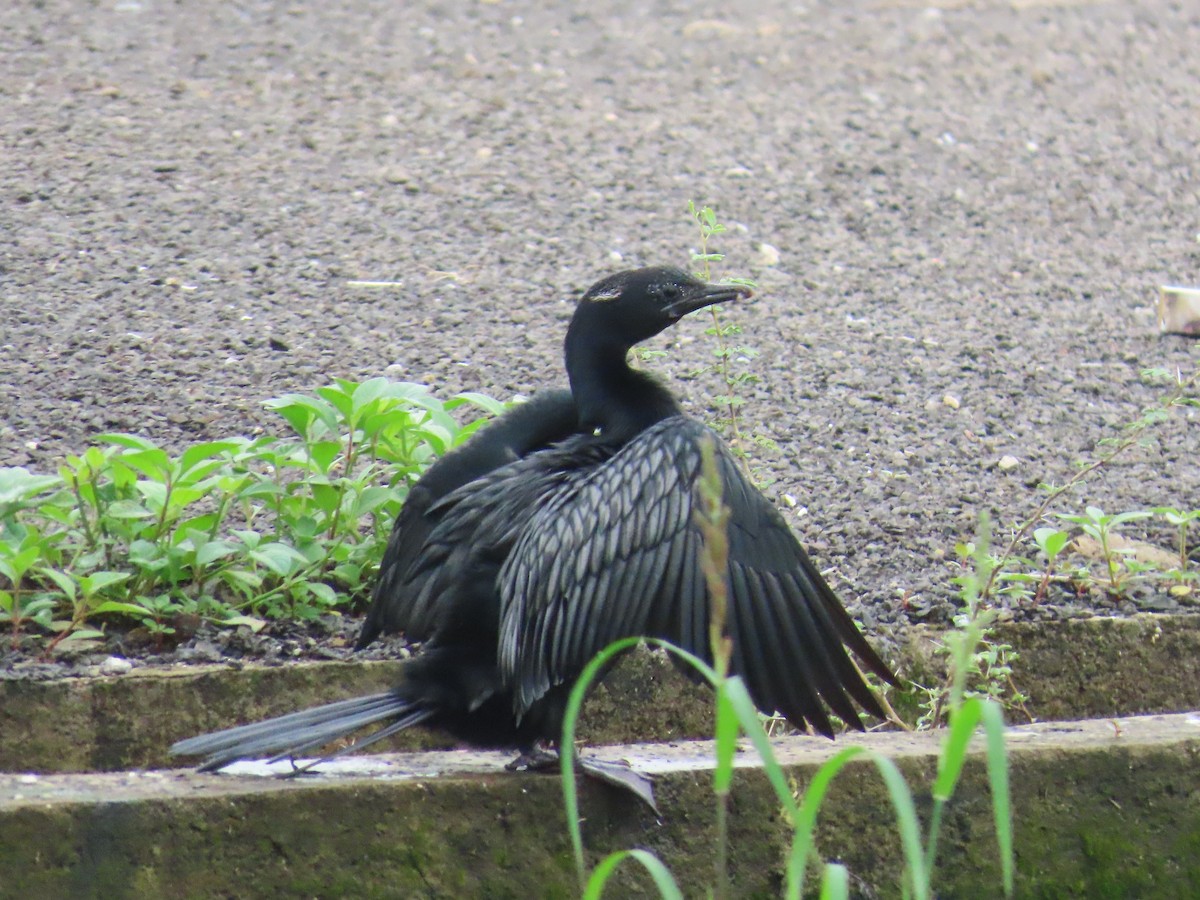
(663,879)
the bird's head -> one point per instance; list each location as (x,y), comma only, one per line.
(640,303)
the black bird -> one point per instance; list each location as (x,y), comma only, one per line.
(565,526)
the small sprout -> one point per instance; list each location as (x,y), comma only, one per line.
(1102,528)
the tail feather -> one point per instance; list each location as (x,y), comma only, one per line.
(297,732)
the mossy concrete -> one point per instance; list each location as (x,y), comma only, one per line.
(107,724)
(1070,670)
(1103,809)
(126,722)
(1087,668)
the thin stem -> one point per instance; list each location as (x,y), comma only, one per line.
(81,505)
(16,612)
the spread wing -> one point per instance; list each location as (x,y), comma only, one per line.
(615,553)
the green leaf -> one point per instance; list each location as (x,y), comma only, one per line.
(726,740)
(98,581)
(1122,518)
(214,550)
(806,818)
(490,405)
(256,625)
(14,565)
(322,592)
(410,393)
(323,453)
(368,392)
(115,606)
(437,437)
(997,768)
(128,509)
(567,745)
(242,580)
(82,635)
(954,749)
(18,484)
(340,396)
(302,413)
(207,450)
(261,489)
(835,882)
(183,496)
(130,441)
(1051,541)
(153,463)
(62,580)
(659,873)
(326,496)
(279,558)
(348,574)
(204,524)
(747,714)
(154,493)
(372,498)
(250,538)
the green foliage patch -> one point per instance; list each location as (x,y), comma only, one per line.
(236,530)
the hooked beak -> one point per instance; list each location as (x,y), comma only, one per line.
(706,295)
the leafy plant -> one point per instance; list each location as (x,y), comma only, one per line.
(1010,577)
(1102,528)
(725,353)
(1182,393)
(1181,520)
(979,664)
(732,359)
(231,529)
(1051,542)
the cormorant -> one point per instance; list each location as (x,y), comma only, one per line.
(570,524)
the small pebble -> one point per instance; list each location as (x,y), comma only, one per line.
(1007,463)
(768,255)
(115,665)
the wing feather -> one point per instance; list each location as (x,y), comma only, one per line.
(628,565)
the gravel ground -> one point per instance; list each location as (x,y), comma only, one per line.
(957,216)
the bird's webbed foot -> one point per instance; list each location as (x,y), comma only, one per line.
(540,758)
(536,758)
(621,775)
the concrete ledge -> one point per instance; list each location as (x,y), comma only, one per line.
(1103,808)
(1087,668)
(1076,669)
(128,722)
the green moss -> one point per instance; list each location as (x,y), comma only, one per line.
(1108,822)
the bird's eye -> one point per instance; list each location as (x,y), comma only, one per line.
(668,291)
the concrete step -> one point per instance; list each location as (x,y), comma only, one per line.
(1070,670)
(1104,807)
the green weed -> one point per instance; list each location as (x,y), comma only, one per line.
(234,530)
(1013,579)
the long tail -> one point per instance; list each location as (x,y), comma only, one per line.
(305,730)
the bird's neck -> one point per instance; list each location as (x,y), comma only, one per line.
(613,399)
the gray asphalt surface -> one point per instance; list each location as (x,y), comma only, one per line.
(968,210)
